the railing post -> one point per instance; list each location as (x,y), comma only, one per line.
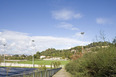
(33,74)
(49,73)
(45,73)
(40,73)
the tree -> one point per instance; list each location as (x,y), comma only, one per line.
(114,41)
(29,57)
(37,55)
(102,36)
(23,56)
(1,58)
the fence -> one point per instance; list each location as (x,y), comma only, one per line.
(46,73)
(24,65)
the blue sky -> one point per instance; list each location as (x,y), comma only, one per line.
(56,20)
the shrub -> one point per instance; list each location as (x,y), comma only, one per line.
(43,67)
(55,64)
(95,64)
(1,59)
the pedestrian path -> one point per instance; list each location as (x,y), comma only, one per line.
(62,73)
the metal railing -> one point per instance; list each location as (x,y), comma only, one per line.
(45,73)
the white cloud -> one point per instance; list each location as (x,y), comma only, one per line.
(21,43)
(2,41)
(103,21)
(65,14)
(67,26)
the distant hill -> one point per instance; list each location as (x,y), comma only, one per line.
(67,53)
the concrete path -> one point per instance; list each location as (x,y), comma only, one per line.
(62,73)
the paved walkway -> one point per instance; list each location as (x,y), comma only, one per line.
(62,73)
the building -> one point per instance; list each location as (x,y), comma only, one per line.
(42,57)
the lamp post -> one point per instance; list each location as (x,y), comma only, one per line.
(82,33)
(4,54)
(33,54)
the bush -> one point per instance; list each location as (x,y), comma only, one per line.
(55,64)
(95,64)
(1,59)
(43,67)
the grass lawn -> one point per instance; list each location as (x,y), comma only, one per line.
(41,62)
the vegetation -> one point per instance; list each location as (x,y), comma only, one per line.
(55,64)
(1,59)
(96,44)
(51,52)
(114,42)
(43,67)
(101,63)
(57,53)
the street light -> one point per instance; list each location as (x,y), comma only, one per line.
(4,54)
(33,54)
(82,33)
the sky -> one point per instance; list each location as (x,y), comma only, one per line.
(54,24)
